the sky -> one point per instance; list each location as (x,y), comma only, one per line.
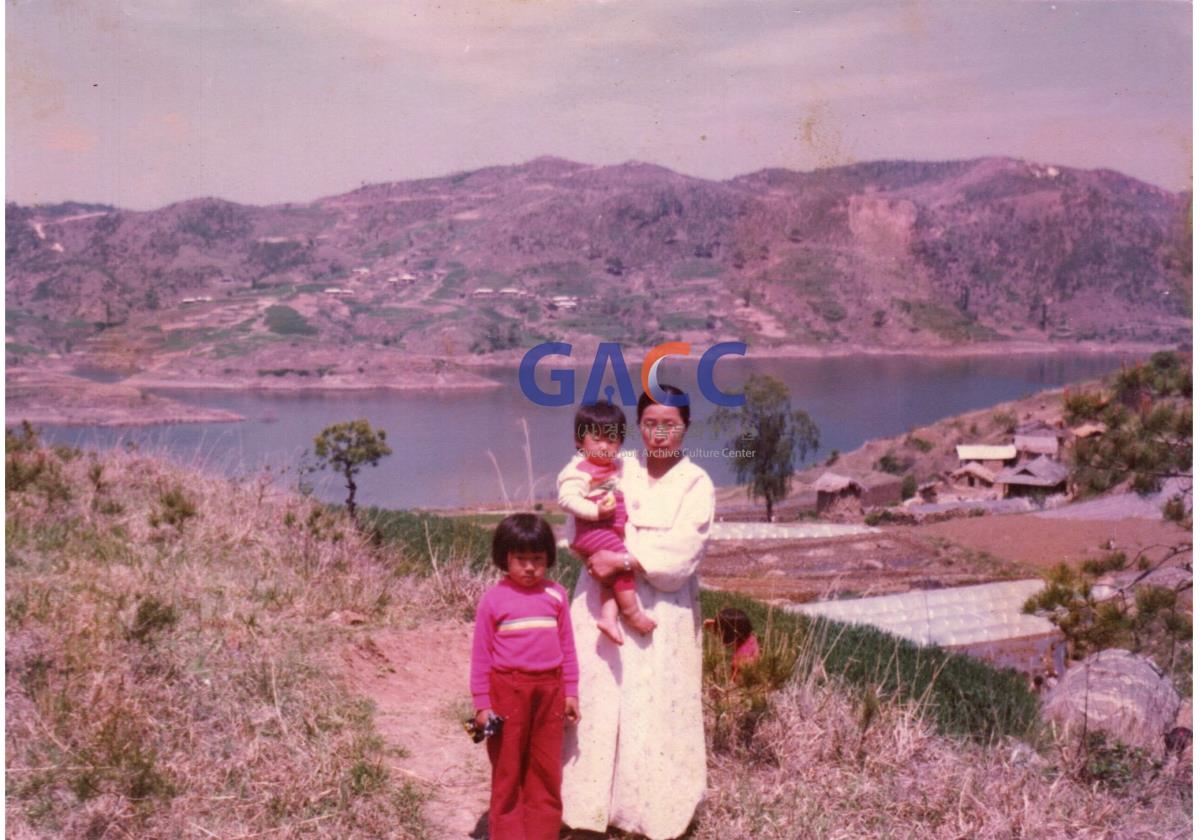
(140,103)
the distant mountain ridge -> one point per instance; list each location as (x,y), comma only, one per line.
(886,253)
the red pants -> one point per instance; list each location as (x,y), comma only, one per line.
(527,756)
(607,534)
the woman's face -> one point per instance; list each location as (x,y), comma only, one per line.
(662,429)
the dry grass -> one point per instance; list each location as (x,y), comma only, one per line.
(818,760)
(166,635)
(168,676)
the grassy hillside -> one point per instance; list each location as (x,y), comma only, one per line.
(166,635)
(171,674)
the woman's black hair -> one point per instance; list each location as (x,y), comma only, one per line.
(602,419)
(685,411)
(522,532)
(734,626)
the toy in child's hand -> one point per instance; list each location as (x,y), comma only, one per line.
(608,504)
(494,725)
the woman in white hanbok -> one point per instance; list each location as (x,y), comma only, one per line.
(636,760)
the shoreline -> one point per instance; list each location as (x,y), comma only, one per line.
(58,397)
(996,348)
(201,384)
(11,420)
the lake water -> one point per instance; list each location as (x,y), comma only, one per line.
(441,441)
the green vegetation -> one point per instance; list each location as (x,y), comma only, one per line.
(770,439)
(489,520)
(18,349)
(809,273)
(1147,414)
(214,221)
(426,543)
(288,371)
(829,309)
(918,443)
(945,322)
(1005,421)
(175,508)
(245,346)
(278,257)
(346,448)
(1146,619)
(452,284)
(569,283)
(892,463)
(386,249)
(689,269)
(394,313)
(963,696)
(420,538)
(284,320)
(185,338)
(500,333)
(678,322)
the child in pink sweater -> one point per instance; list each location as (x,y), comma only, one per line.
(523,669)
(587,488)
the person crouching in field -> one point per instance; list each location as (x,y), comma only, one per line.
(737,634)
(588,489)
(524,670)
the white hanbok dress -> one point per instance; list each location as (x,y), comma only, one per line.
(636,760)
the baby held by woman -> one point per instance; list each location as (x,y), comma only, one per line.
(587,489)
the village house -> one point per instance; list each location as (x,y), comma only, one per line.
(1034,439)
(844,496)
(990,456)
(838,495)
(1040,476)
(880,489)
(973,475)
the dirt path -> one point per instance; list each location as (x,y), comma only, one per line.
(418,681)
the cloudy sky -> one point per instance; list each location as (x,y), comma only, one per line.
(143,102)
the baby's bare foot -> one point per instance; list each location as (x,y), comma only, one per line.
(612,629)
(641,622)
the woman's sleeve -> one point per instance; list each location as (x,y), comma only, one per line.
(670,557)
(572,487)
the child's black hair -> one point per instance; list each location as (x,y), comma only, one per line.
(644,401)
(522,532)
(734,626)
(603,419)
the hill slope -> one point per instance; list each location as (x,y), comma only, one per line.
(886,254)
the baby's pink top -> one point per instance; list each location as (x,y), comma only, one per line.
(601,471)
(522,629)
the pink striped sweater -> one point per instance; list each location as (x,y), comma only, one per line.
(522,629)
